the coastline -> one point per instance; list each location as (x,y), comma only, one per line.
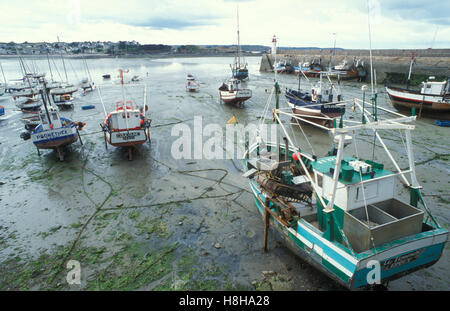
(155,56)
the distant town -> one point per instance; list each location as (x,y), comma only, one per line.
(121,48)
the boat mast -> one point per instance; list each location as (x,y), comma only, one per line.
(332,53)
(45,102)
(239,44)
(89,73)
(410,70)
(64,65)
(370,48)
(49,67)
(3,73)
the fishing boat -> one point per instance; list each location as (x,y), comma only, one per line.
(26,103)
(239,70)
(342,213)
(309,69)
(31,120)
(191,84)
(347,71)
(127,126)
(432,99)
(54,132)
(62,95)
(232,93)
(318,106)
(284,66)
(87,85)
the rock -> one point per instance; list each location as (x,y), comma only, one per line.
(233,236)
(180,223)
(268,273)
(2,183)
(56,228)
(205,253)
(217,245)
(254,283)
(119,205)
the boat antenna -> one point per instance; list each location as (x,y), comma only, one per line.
(332,52)
(434,37)
(370,48)
(62,58)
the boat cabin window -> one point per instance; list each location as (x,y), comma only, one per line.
(319,180)
(370,191)
(55,116)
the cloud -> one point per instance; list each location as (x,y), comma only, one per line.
(395,24)
(433,11)
(173,23)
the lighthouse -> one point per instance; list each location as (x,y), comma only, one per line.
(274,45)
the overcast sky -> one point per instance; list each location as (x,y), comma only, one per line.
(394,23)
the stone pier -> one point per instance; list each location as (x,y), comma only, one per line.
(429,62)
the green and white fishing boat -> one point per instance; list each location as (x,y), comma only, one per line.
(344,214)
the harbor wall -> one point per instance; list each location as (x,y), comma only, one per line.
(386,62)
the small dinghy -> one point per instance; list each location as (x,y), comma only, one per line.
(191,84)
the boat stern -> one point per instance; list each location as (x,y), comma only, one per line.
(398,258)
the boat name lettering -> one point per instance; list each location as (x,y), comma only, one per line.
(129,135)
(53,134)
(401,260)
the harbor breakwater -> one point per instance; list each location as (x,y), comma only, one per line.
(388,63)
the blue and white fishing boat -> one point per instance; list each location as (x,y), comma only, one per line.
(342,213)
(318,106)
(284,66)
(54,131)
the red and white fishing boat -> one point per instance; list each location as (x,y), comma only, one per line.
(433,98)
(127,126)
(232,93)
